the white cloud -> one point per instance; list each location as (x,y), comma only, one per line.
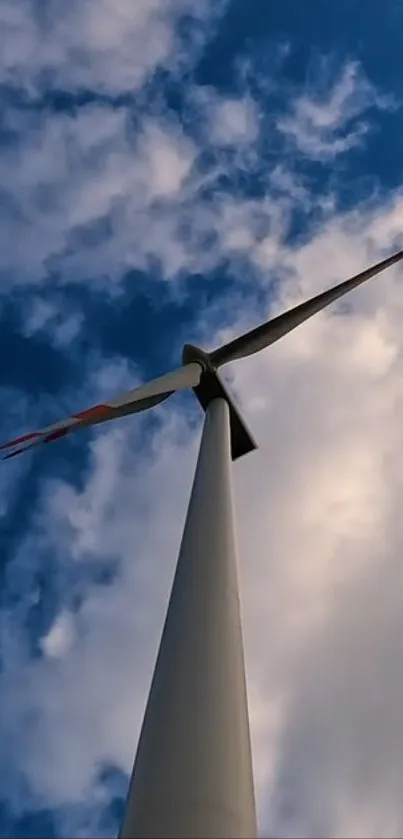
(61,327)
(83,190)
(89,197)
(59,638)
(101,45)
(233,121)
(327,120)
(167,160)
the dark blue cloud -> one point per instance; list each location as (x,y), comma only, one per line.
(32,825)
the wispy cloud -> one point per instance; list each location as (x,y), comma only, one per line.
(329,118)
(93,192)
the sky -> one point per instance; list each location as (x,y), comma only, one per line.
(172,171)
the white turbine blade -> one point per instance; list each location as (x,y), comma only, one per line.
(269,332)
(132,401)
(158,389)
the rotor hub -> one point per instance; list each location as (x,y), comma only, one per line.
(191,353)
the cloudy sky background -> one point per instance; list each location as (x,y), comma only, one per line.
(175,170)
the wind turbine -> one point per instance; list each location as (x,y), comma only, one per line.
(192,776)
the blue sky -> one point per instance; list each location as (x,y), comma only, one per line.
(173,171)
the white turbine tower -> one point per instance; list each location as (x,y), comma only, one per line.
(192,776)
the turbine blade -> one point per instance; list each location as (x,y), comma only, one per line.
(132,401)
(269,332)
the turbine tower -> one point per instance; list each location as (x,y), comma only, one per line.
(192,776)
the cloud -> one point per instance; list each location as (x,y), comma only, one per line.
(42,316)
(93,202)
(89,200)
(91,193)
(231,121)
(60,637)
(108,47)
(328,119)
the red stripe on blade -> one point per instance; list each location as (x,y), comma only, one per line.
(54,435)
(23,439)
(93,413)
